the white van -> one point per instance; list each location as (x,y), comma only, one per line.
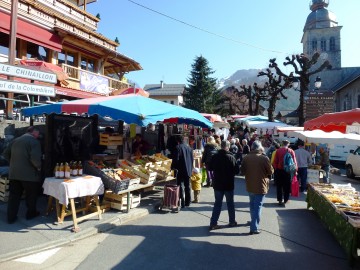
(353,163)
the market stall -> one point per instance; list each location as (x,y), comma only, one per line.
(63,130)
(338,206)
(334,121)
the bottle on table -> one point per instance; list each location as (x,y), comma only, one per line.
(74,169)
(61,170)
(67,170)
(80,168)
(56,170)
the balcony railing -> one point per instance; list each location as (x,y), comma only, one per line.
(74,75)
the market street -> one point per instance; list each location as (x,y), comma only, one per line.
(292,238)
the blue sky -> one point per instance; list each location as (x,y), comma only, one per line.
(166,48)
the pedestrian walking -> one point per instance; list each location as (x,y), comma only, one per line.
(303,159)
(223,164)
(24,156)
(210,149)
(324,163)
(281,177)
(257,170)
(183,161)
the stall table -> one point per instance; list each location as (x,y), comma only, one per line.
(66,190)
(346,234)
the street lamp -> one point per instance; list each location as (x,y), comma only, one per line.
(317,83)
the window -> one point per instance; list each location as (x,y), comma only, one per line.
(67,58)
(87,64)
(323,45)
(332,44)
(172,102)
(4,44)
(314,44)
(37,52)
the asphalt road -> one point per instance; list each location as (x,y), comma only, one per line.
(292,238)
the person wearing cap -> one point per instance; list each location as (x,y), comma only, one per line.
(257,170)
(224,166)
(281,177)
(24,156)
(304,160)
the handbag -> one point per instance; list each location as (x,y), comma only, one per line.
(203,175)
(295,187)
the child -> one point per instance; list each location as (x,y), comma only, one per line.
(196,178)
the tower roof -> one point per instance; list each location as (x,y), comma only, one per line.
(320,16)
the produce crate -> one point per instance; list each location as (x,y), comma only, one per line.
(140,162)
(111,139)
(165,162)
(144,177)
(4,189)
(119,201)
(162,172)
(114,184)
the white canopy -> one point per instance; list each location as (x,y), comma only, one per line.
(319,136)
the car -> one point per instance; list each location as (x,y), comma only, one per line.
(352,163)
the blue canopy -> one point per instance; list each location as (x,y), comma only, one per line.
(132,109)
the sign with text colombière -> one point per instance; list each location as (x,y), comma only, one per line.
(26,88)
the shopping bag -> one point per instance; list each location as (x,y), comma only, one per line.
(295,187)
(203,175)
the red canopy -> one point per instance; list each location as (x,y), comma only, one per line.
(334,121)
(46,67)
(212,117)
(130,90)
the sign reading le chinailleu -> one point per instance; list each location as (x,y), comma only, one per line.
(27,73)
(26,88)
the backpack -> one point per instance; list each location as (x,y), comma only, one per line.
(289,164)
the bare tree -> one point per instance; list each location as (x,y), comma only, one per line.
(274,89)
(303,71)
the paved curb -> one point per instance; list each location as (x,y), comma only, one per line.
(105,226)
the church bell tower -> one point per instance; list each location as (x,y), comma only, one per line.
(322,34)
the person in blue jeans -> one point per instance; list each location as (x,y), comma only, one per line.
(223,164)
(257,170)
(304,159)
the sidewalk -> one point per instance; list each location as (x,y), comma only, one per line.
(25,237)
(30,236)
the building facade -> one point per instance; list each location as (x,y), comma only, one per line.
(62,33)
(323,34)
(170,93)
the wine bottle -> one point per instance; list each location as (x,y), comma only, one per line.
(80,168)
(67,170)
(61,170)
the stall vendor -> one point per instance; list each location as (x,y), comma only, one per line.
(140,146)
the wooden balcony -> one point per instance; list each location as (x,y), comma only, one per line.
(72,12)
(74,79)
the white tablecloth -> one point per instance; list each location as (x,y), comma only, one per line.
(75,187)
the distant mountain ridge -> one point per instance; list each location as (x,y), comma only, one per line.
(248,77)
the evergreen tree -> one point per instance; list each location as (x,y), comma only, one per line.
(201,93)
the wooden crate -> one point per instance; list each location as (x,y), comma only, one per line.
(111,139)
(119,201)
(144,177)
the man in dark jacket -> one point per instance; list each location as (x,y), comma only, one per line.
(183,161)
(24,155)
(224,166)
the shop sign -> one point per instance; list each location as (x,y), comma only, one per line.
(27,73)
(26,88)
